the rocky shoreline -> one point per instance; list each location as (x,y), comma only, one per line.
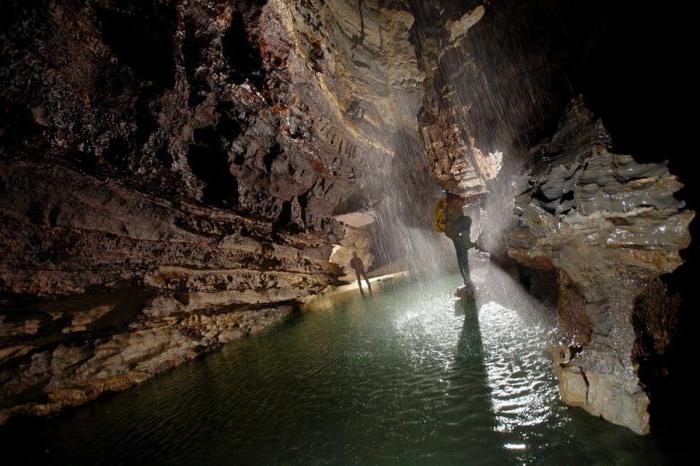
(609,227)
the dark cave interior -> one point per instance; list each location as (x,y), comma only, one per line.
(167,159)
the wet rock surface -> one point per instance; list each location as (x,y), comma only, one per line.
(456,160)
(44,375)
(170,171)
(492,86)
(610,227)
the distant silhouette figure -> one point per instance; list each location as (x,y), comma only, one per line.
(359,267)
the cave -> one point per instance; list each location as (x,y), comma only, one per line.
(142,38)
(346,232)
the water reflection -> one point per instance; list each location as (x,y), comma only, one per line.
(407,377)
(469,380)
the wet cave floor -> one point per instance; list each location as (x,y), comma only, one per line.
(406,376)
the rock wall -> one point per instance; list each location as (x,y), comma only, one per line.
(457,162)
(356,240)
(495,80)
(169,171)
(610,227)
(595,229)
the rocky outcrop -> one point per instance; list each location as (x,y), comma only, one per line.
(457,162)
(610,227)
(170,172)
(359,233)
(42,378)
(497,76)
(365,64)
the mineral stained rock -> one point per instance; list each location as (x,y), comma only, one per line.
(169,173)
(609,227)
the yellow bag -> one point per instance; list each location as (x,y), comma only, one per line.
(439,215)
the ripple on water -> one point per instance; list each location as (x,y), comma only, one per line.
(523,392)
(406,377)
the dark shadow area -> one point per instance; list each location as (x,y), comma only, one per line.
(141,35)
(242,57)
(636,82)
(192,49)
(470,344)
(18,129)
(117,155)
(208,158)
(269,158)
(469,369)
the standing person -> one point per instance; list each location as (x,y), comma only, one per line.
(357,264)
(457,227)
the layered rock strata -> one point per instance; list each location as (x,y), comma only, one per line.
(457,162)
(169,175)
(497,76)
(609,227)
(104,287)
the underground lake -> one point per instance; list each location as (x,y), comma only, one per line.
(408,375)
(191,190)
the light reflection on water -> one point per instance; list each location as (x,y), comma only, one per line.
(521,390)
(408,376)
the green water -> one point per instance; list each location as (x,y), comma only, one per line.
(408,376)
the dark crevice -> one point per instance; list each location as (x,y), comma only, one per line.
(242,57)
(228,125)
(192,49)
(284,219)
(208,158)
(269,158)
(141,37)
(117,155)
(17,127)
(303,203)
(53,216)
(360,38)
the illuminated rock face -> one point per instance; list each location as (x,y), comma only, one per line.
(600,225)
(479,102)
(170,172)
(609,227)
(458,164)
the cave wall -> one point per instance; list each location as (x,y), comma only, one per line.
(169,171)
(606,233)
(496,79)
(610,227)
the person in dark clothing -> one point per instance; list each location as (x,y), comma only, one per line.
(457,228)
(359,267)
